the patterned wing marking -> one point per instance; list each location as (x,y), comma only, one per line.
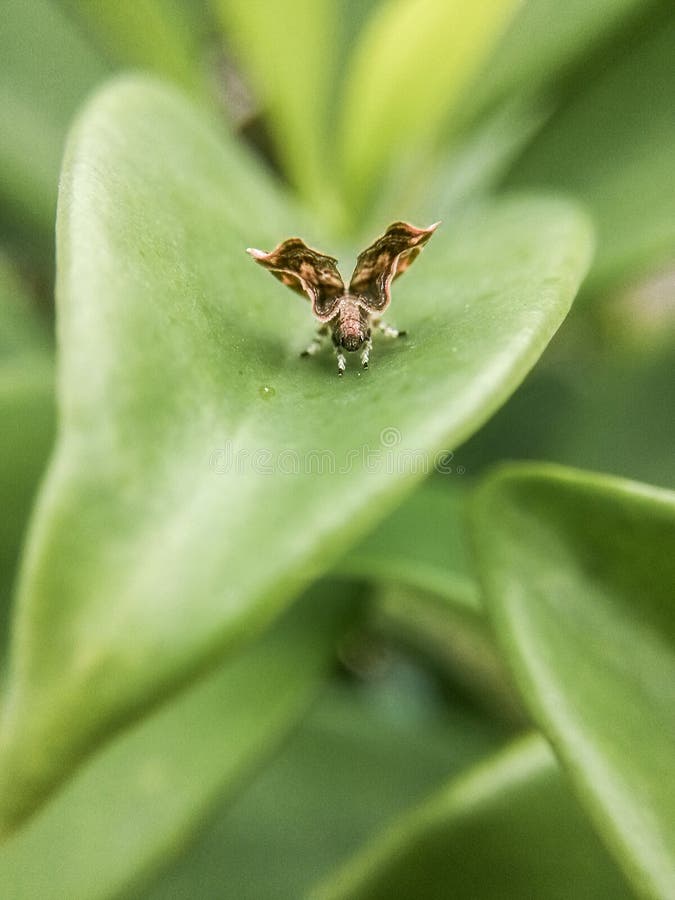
(385,260)
(306,272)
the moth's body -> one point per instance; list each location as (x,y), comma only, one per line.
(348,314)
(351,326)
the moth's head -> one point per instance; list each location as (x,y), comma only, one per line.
(352,340)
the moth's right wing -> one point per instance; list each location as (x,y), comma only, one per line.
(385,260)
(306,272)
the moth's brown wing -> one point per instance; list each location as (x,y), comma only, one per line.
(385,260)
(307,272)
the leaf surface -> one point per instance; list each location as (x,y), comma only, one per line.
(579,574)
(289,53)
(409,68)
(426,595)
(205,473)
(488,833)
(47,68)
(611,146)
(27,416)
(138,802)
(366,751)
(156,35)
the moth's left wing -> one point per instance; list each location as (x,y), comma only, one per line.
(306,271)
(385,260)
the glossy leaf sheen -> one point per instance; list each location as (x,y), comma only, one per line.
(180,386)
(489,833)
(137,802)
(579,573)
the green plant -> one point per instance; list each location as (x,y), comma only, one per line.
(220,522)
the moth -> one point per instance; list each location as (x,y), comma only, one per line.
(348,315)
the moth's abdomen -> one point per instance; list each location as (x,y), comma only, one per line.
(351,329)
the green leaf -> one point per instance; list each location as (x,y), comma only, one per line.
(365,752)
(427,596)
(547,40)
(508,828)
(137,803)
(22,332)
(579,574)
(289,50)
(150,34)
(172,526)
(47,68)
(612,147)
(421,544)
(27,416)
(630,395)
(407,73)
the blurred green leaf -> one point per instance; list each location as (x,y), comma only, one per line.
(421,544)
(579,573)
(427,597)
(547,40)
(476,163)
(612,146)
(46,70)
(509,828)
(163,536)
(289,51)
(617,416)
(27,416)
(596,407)
(137,803)
(22,332)
(152,34)
(408,71)
(365,752)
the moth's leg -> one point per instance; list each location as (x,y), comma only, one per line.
(317,342)
(389,331)
(341,360)
(365,353)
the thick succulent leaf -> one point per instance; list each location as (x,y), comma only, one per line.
(289,51)
(47,67)
(409,68)
(137,803)
(508,828)
(366,752)
(151,34)
(27,417)
(579,573)
(172,524)
(612,146)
